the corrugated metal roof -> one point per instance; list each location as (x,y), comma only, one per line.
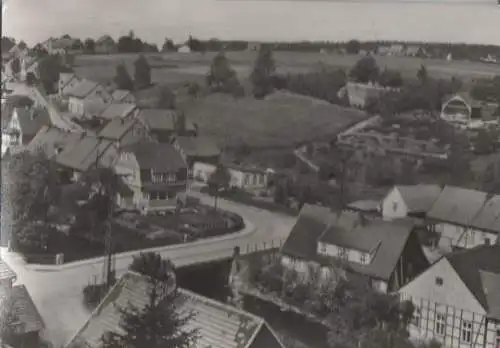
(457,205)
(23,308)
(219,325)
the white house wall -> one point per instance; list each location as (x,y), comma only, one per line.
(393,206)
(452,299)
(463,237)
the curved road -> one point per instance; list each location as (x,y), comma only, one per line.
(58,293)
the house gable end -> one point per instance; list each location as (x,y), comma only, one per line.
(452,291)
(393,205)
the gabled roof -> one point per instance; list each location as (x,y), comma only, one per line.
(488,217)
(457,205)
(385,239)
(199,146)
(219,325)
(94,107)
(117,128)
(31,120)
(120,94)
(82,89)
(161,119)
(5,271)
(161,157)
(23,308)
(84,154)
(419,198)
(479,269)
(117,110)
(51,139)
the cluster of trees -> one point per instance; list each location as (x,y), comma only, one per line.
(366,70)
(132,44)
(355,314)
(487,90)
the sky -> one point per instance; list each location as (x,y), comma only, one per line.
(470,21)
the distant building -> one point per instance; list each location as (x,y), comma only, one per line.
(358,94)
(247,178)
(60,46)
(184,49)
(82,91)
(219,325)
(197,149)
(462,109)
(409,201)
(125,131)
(163,124)
(456,299)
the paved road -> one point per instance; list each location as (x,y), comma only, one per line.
(57,294)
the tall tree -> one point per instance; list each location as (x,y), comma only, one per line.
(49,68)
(159,324)
(365,70)
(89,46)
(166,98)
(220,179)
(221,77)
(168,45)
(142,75)
(123,79)
(194,44)
(15,65)
(263,71)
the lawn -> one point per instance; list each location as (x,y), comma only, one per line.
(282,120)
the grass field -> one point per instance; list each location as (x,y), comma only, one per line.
(176,69)
(282,120)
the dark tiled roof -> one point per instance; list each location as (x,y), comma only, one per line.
(117,128)
(84,154)
(479,269)
(199,146)
(161,157)
(50,139)
(82,89)
(488,217)
(5,271)
(120,94)
(94,107)
(457,205)
(419,198)
(24,309)
(219,325)
(117,110)
(31,120)
(161,119)
(386,239)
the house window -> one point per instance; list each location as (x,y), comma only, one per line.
(171,178)
(487,241)
(467,331)
(439,281)
(322,248)
(440,328)
(364,258)
(394,206)
(415,320)
(342,253)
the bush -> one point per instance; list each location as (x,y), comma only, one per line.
(272,277)
(300,293)
(93,295)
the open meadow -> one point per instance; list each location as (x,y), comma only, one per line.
(175,69)
(281,120)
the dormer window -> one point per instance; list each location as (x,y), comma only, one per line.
(342,253)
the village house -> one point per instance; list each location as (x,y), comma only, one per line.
(388,254)
(457,299)
(105,45)
(23,125)
(409,201)
(67,81)
(124,132)
(15,299)
(123,96)
(163,124)
(197,149)
(452,216)
(246,178)
(462,109)
(155,173)
(61,46)
(84,154)
(83,91)
(52,140)
(358,94)
(219,325)
(392,50)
